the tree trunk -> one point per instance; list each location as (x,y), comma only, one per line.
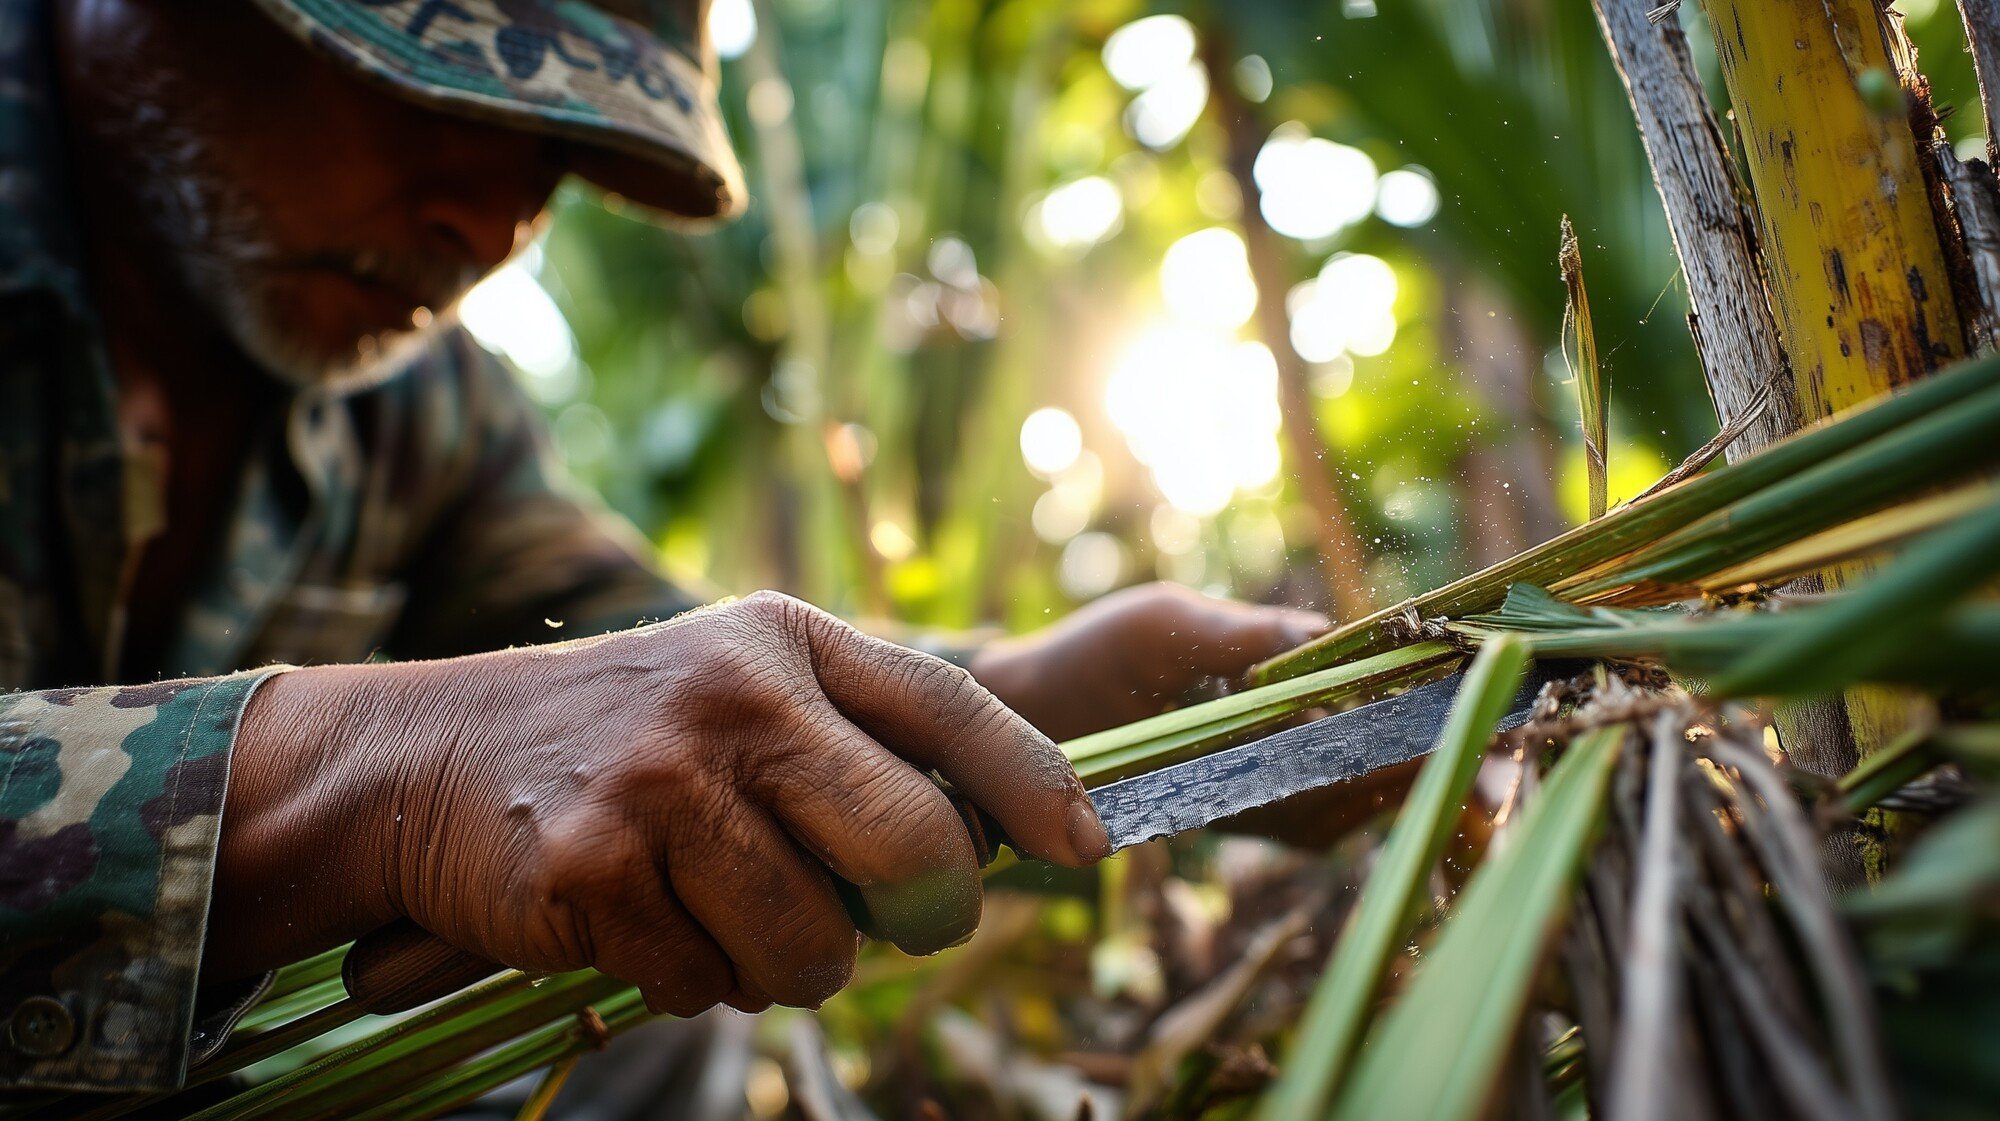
(1835,284)
(1713,227)
(1982,32)
(1343,564)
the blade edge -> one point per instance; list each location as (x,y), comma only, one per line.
(1328,751)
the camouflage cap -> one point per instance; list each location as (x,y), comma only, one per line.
(628,78)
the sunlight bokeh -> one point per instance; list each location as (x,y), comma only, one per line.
(1200,411)
(1147,51)
(1076,215)
(1205,278)
(1407,197)
(732,27)
(1051,441)
(1313,188)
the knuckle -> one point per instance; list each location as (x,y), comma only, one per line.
(951,689)
(575,862)
(557,930)
(982,723)
(770,611)
(818,956)
(912,825)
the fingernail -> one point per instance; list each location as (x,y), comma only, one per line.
(1086,832)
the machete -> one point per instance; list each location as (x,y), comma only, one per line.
(1328,751)
(402,965)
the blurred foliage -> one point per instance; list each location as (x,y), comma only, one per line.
(828,395)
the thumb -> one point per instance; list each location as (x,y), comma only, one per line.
(1241,635)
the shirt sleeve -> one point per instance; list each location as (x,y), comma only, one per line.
(521,554)
(110,809)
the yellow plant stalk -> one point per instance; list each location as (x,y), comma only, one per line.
(1857,538)
(1856,271)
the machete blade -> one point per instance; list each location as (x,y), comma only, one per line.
(1332,749)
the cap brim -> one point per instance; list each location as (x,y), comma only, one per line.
(644,111)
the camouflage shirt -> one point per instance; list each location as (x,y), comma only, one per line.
(418,519)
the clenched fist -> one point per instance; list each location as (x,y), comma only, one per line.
(667,805)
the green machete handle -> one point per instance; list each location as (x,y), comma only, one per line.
(401,966)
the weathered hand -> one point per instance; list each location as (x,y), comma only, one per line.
(663,805)
(1130,654)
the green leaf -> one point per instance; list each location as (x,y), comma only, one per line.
(1441,1049)
(1850,636)
(1641,523)
(1886,771)
(1529,608)
(1933,450)
(1382,919)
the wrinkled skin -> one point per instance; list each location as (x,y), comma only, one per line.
(667,805)
(663,804)
(670,804)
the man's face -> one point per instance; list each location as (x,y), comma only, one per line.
(326,226)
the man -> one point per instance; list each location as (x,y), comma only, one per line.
(241,436)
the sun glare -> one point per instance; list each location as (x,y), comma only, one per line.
(510,312)
(1165,112)
(1313,188)
(1407,197)
(1155,58)
(1205,278)
(1200,411)
(1349,308)
(1076,215)
(1051,440)
(1144,52)
(732,27)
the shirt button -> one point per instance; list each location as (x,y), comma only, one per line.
(42,1027)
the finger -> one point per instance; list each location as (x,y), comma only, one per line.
(769,906)
(746,997)
(1223,638)
(881,825)
(932,713)
(649,941)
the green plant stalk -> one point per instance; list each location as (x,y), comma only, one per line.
(310,973)
(1975,744)
(1440,1049)
(1859,481)
(1630,527)
(1895,608)
(1335,1017)
(536,1107)
(553,1044)
(1173,736)
(413,1059)
(1590,396)
(275,1011)
(1858,538)
(1155,752)
(1887,770)
(248,1050)
(1959,651)
(501,1001)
